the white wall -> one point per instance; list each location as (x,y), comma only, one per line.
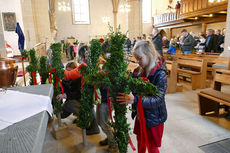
(2,42)
(147,28)
(98,9)
(159,6)
(214,26)
(10,36)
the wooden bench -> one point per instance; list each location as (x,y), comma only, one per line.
(169,65)
(195,69)
(221,60)
(210,99)
(173,86)
(211,59)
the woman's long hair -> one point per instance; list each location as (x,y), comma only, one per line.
(148,49)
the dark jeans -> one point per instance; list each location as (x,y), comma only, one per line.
(69,107)
(72,106)
(103,119)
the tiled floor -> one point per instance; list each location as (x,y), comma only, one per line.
(185,130)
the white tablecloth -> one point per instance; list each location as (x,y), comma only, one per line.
(16,106)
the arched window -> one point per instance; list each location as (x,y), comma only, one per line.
(146,11)
(81,11)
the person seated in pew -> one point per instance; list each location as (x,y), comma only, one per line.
(172,47)
(72,87)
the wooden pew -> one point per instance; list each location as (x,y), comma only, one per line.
(211,60)
(210,99)
(196,69)
(173,86)
(172,76)
(169,65)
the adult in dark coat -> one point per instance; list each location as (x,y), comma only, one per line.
(211,42)
(187,43)
(220,40)
(128,44)
(157,41)
(134,41)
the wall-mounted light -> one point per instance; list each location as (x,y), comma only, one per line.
(125,7)
(196,18)
(211,15)
(211,1)
(64,6)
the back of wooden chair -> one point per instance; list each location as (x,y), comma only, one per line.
(221,77)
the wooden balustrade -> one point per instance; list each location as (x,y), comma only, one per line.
(192,8)
(166,17)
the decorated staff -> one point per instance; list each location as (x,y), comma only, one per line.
(151,108)
(32,68)
(85,114)
(58,74)
(118,81)
(43,70)
(24,54)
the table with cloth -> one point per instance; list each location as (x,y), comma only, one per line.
(24,113)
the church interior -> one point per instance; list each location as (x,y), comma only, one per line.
(114,76)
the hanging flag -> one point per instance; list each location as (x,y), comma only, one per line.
(21,38)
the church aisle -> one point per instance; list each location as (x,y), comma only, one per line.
(185,129)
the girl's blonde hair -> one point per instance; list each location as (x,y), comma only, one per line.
(148,49)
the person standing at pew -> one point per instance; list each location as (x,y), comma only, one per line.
(187,42)
(223,34)
(211,41)
(151,67)
(172,47)
(220,40)
(134,41)
(157,41)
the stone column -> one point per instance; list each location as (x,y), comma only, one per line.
(115,10)
(52,16)
(28,22)
(2,40)
(41,21)
(135,18)
(227,35)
